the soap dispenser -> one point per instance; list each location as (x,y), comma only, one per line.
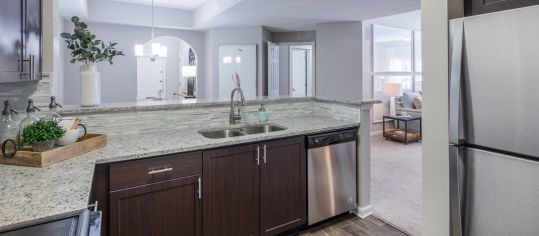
(8,128)
(30,118)
(53,111)
(262,115)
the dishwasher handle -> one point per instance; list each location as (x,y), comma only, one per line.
(326,139)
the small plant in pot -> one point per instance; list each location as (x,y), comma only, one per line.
(87,49)
(42,134)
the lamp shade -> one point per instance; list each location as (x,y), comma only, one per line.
(189,71)
(392,89)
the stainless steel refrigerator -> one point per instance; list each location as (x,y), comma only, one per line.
(494,124)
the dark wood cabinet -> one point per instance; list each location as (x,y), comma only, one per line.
(245,190)
(257,189)
(476,7)
(283,194)
(166,208)
(157,196)
(230,191)
(20,51)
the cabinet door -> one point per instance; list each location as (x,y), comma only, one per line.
(230,191)
(283,187)
(31,40)
(475,7)
(167,208)
(11,43)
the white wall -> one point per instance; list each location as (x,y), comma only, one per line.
(59,54)
(229,36)
(119,81)
(434,26)
(339,60)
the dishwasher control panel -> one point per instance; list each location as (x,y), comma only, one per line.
(315,141)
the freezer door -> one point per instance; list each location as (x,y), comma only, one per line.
(499,194)
(499,81)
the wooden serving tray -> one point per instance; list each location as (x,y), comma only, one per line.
(88,143)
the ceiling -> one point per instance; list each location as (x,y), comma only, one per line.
(277,15)
(290,15)
(176,4)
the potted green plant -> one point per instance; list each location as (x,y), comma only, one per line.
(87,49)
(42,134)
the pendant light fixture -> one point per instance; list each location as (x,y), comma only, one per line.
(157,50)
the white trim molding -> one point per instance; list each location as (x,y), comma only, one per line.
(364,212)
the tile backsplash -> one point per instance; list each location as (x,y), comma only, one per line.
(18,93)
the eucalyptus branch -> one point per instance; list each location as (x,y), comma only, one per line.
(86,48)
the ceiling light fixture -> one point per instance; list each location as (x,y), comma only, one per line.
(157,49)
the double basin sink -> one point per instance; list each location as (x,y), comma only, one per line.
(241,131)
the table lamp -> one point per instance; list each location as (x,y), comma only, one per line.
(392,90)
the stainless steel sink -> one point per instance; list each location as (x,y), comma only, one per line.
(224,133)
(262,128)
(242,130)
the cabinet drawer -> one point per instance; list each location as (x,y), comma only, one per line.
(147,171)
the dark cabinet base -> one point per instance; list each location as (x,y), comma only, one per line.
(161,209)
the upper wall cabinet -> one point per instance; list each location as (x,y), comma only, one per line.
(476,7)
(20,47)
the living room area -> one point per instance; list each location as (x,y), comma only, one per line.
(392,59)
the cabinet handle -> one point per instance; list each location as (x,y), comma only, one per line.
(32,66)
(159,171)
(94,206)
(258,155)
(199,187)
(265,159)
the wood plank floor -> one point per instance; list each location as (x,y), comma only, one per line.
(351,225)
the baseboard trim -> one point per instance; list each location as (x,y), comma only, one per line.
(364,212)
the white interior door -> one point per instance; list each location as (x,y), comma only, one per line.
(298,72)
(273,69)
(150,78)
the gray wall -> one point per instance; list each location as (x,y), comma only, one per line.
(229,36)
(119,81)
(298,36)
(339,60)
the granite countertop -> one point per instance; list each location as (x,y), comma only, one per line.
(191,103)
(31,195)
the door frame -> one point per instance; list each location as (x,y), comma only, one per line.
(311,87)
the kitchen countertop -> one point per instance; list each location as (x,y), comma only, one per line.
(32,195)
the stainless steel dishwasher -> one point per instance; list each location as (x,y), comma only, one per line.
(331,174)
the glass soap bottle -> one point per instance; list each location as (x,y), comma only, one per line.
(8,128)
(262,115)
(53,111)
(30,118)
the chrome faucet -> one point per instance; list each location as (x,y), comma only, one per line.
(234,117)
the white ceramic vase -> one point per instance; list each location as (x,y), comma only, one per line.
(90,85)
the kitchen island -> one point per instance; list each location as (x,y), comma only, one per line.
(33,195)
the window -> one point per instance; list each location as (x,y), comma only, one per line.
(396,57)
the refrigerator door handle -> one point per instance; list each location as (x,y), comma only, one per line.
(455,77)
(456,190)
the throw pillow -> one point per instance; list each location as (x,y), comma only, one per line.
(408,99)
(418,102)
